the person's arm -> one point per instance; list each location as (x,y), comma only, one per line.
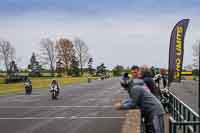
(128,104)
(135,96)
(133,102)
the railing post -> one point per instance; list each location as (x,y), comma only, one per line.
(184,116)
(174,127)
(173,108)
(188,119)
(170,126)
(171,103)
(177,110)
(194,127)
(180,114)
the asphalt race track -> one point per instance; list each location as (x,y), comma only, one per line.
(187,91)
(85,108)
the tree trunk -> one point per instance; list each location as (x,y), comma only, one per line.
(52,71)
(81,64)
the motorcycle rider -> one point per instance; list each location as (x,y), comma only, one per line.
(27,82)
(55,85)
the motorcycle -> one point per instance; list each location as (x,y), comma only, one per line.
(28,88)
(54,93)
(157,79)
(165,99)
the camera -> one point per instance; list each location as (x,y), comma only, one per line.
(125,81)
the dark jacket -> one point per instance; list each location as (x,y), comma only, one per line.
(151,85)
(147,77)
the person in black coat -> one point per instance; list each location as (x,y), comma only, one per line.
(148,80)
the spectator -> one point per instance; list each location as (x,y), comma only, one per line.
(148,80)
(163,77)
(151,108)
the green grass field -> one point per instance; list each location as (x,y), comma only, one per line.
(39,83)
(2,80)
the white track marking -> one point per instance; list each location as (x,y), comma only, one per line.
(101,117)
(58,118)
(24,107)
(25,100)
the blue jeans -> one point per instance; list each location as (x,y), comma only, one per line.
(154,124)
(158,123)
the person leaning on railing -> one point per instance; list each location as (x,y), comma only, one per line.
(151,108)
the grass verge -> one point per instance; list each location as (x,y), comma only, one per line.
(39,83)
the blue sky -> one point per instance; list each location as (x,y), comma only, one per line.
(89,7)
(117,31)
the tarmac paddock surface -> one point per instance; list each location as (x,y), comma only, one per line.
(85,108)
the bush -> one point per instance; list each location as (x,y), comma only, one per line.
(195,72)
(14,79)
(2,80)
(34,74)
(74,72)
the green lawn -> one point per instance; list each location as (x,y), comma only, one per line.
(39,83)
(2,80)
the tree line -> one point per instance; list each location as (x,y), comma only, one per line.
(74,55)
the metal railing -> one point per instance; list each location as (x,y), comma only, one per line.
(183,119)
(183,127)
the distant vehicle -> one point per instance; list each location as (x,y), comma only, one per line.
(186,73)
(107,76)
(104,77)
(183,78)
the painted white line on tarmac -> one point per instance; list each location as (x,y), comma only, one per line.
(25,100)
(101,117)
(57,118)
(25,107)
(30,118)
